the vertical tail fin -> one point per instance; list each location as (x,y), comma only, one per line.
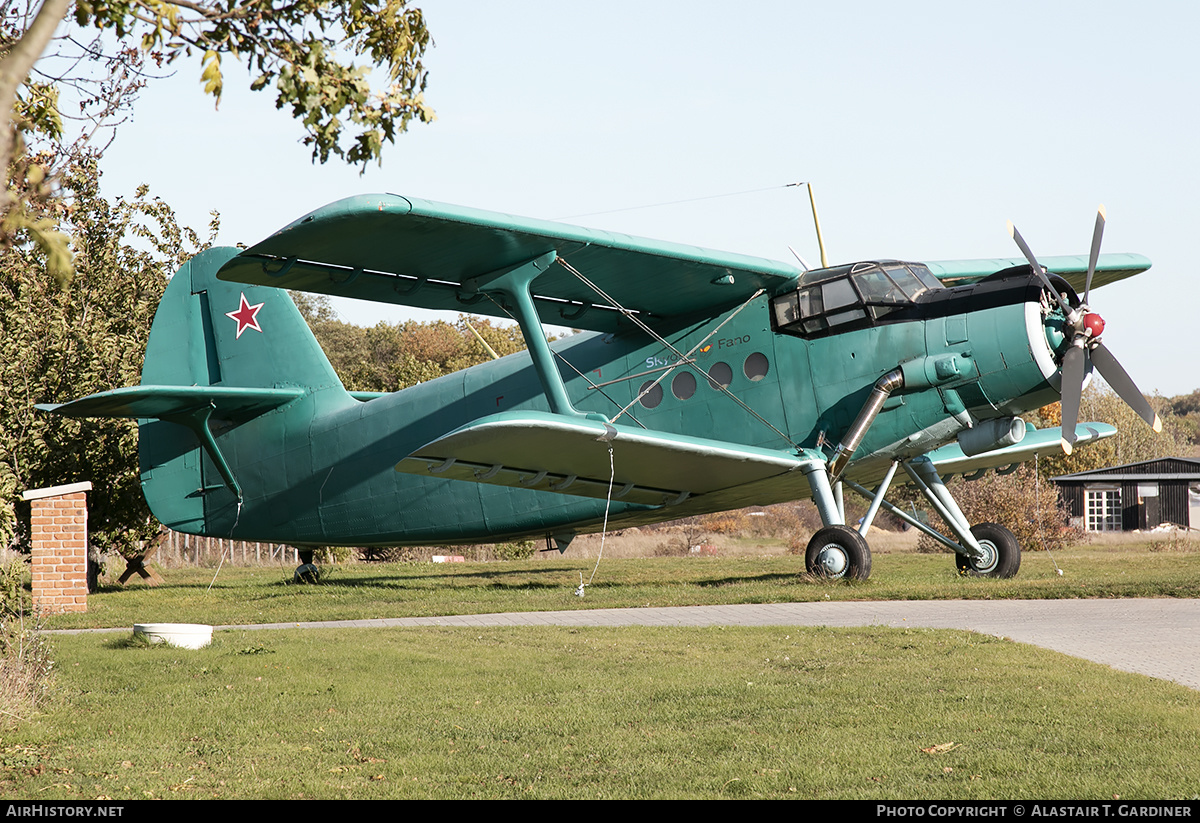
(234,343)
(211,333)
(219,356)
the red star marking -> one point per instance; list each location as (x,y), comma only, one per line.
(246,316)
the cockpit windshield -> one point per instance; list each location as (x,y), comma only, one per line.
(850,295)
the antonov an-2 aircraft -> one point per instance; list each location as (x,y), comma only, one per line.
(704,381)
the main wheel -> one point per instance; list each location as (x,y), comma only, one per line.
(1002,553)
(838,552)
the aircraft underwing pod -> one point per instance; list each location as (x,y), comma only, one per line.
(700,381)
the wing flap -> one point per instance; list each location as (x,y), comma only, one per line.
(548,452)
(951,460)
(393,249)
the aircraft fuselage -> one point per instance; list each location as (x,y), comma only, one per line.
(321,469)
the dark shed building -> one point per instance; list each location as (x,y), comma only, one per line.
(1135,496)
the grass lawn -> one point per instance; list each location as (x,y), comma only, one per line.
(368,590)
(637,712)
(599,713)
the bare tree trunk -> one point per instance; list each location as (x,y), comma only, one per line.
(15,66)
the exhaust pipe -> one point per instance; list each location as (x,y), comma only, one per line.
(883,389)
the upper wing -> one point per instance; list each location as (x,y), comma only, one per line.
(393,249)
(1073,268)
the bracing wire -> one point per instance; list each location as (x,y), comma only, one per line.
(221,562)
(612,473)
(683,359)
(218,571)
(1037,507)
(558,356)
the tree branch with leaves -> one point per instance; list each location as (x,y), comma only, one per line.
(61,342)
(350,73)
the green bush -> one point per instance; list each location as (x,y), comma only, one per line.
(519,550)
(1032,508)
(334,554)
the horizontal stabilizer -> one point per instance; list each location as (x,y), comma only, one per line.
(1073,268)
(163,402)
(549,452)
(1046,442)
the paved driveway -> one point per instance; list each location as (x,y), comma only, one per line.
(1159,638)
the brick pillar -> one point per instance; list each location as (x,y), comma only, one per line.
(59,525)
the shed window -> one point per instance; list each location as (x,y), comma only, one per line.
(1103,509)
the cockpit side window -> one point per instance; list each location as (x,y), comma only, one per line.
(925,276)
(876,289)
(819,306)
(905,279)
(842,305)
(837,293)
(865,292)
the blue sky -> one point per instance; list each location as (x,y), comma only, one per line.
(922,125)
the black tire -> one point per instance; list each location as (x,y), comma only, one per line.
(306,573)
(838,553)
(1004,552)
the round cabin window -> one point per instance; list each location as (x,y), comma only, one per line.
(720,376)
(756,366)
(652,397)
(684,385)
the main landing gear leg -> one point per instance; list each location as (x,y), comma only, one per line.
(985,549)
(836,551)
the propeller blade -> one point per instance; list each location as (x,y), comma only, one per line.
(1120,382)
(1016,235)
(1097,235)
(1072,389)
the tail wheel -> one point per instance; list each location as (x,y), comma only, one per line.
(306,573)
(837,553)
(1002,553)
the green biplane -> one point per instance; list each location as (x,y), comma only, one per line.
(703,381)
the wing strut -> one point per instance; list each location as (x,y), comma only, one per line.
(514,282)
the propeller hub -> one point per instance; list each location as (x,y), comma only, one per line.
(1093,324)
